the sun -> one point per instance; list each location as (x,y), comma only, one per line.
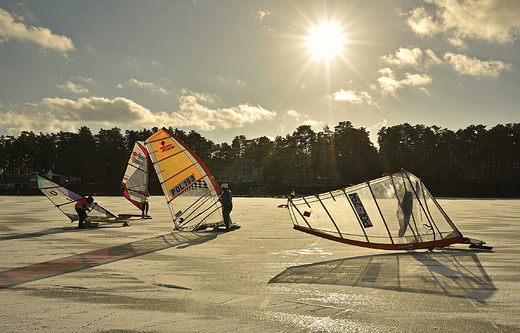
(326,41)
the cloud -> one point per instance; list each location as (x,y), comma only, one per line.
(354,97)
(423,23)
(192,113)
(293,113)
(419,59)
(143,85)
(475,67)
(303,118)
(492,20)
(73,87)
(55,114)
(232,81)
(412,57)
(262,14)
(389,84)
(9,29)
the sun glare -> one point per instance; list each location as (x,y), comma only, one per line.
(326,41)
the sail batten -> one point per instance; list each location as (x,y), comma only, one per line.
(392,212)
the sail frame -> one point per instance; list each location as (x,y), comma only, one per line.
(365,215)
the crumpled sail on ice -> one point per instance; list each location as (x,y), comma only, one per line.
(135,180)
(65,200)
(189,187)
(395,212)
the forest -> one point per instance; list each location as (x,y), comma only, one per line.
(474,161)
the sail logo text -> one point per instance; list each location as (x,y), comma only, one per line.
(360,210)
(165,147)
(138,159)
(177,189)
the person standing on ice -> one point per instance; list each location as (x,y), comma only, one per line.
(82,205)
(404,213)
(144,201)
(226,198)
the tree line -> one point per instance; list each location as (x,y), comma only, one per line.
(474,161)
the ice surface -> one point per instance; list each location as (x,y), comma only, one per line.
(264,277)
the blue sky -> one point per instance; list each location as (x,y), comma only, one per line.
(228,68)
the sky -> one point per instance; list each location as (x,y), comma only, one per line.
(257,68)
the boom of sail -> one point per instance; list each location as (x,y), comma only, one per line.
(189,187)
(395,212)
(65,200)
(135,180)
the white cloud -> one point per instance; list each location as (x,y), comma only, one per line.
(354,97)
(234,81)
(55,114)
(304,118)
(423,23)
(492,20)
(73,87)
(143,85)
(405,57)
(412,57)
(192,113)
(389,84)
(200,97)
(262,14)
(475,67)
(348,96)
(293,113)
(9,29)
(431,58)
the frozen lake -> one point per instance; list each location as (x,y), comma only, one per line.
(264,277)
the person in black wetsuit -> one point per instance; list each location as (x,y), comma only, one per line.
(144,201)
(406,211)
(226,198)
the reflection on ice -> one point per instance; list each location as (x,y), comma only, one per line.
(317,324)
(313,251)
(339,299)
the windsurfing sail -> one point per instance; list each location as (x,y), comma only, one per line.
(395,212)
(135,180)
(65,200)
(189,187)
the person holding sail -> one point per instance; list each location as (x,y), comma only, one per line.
(82,206)
(226,198)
